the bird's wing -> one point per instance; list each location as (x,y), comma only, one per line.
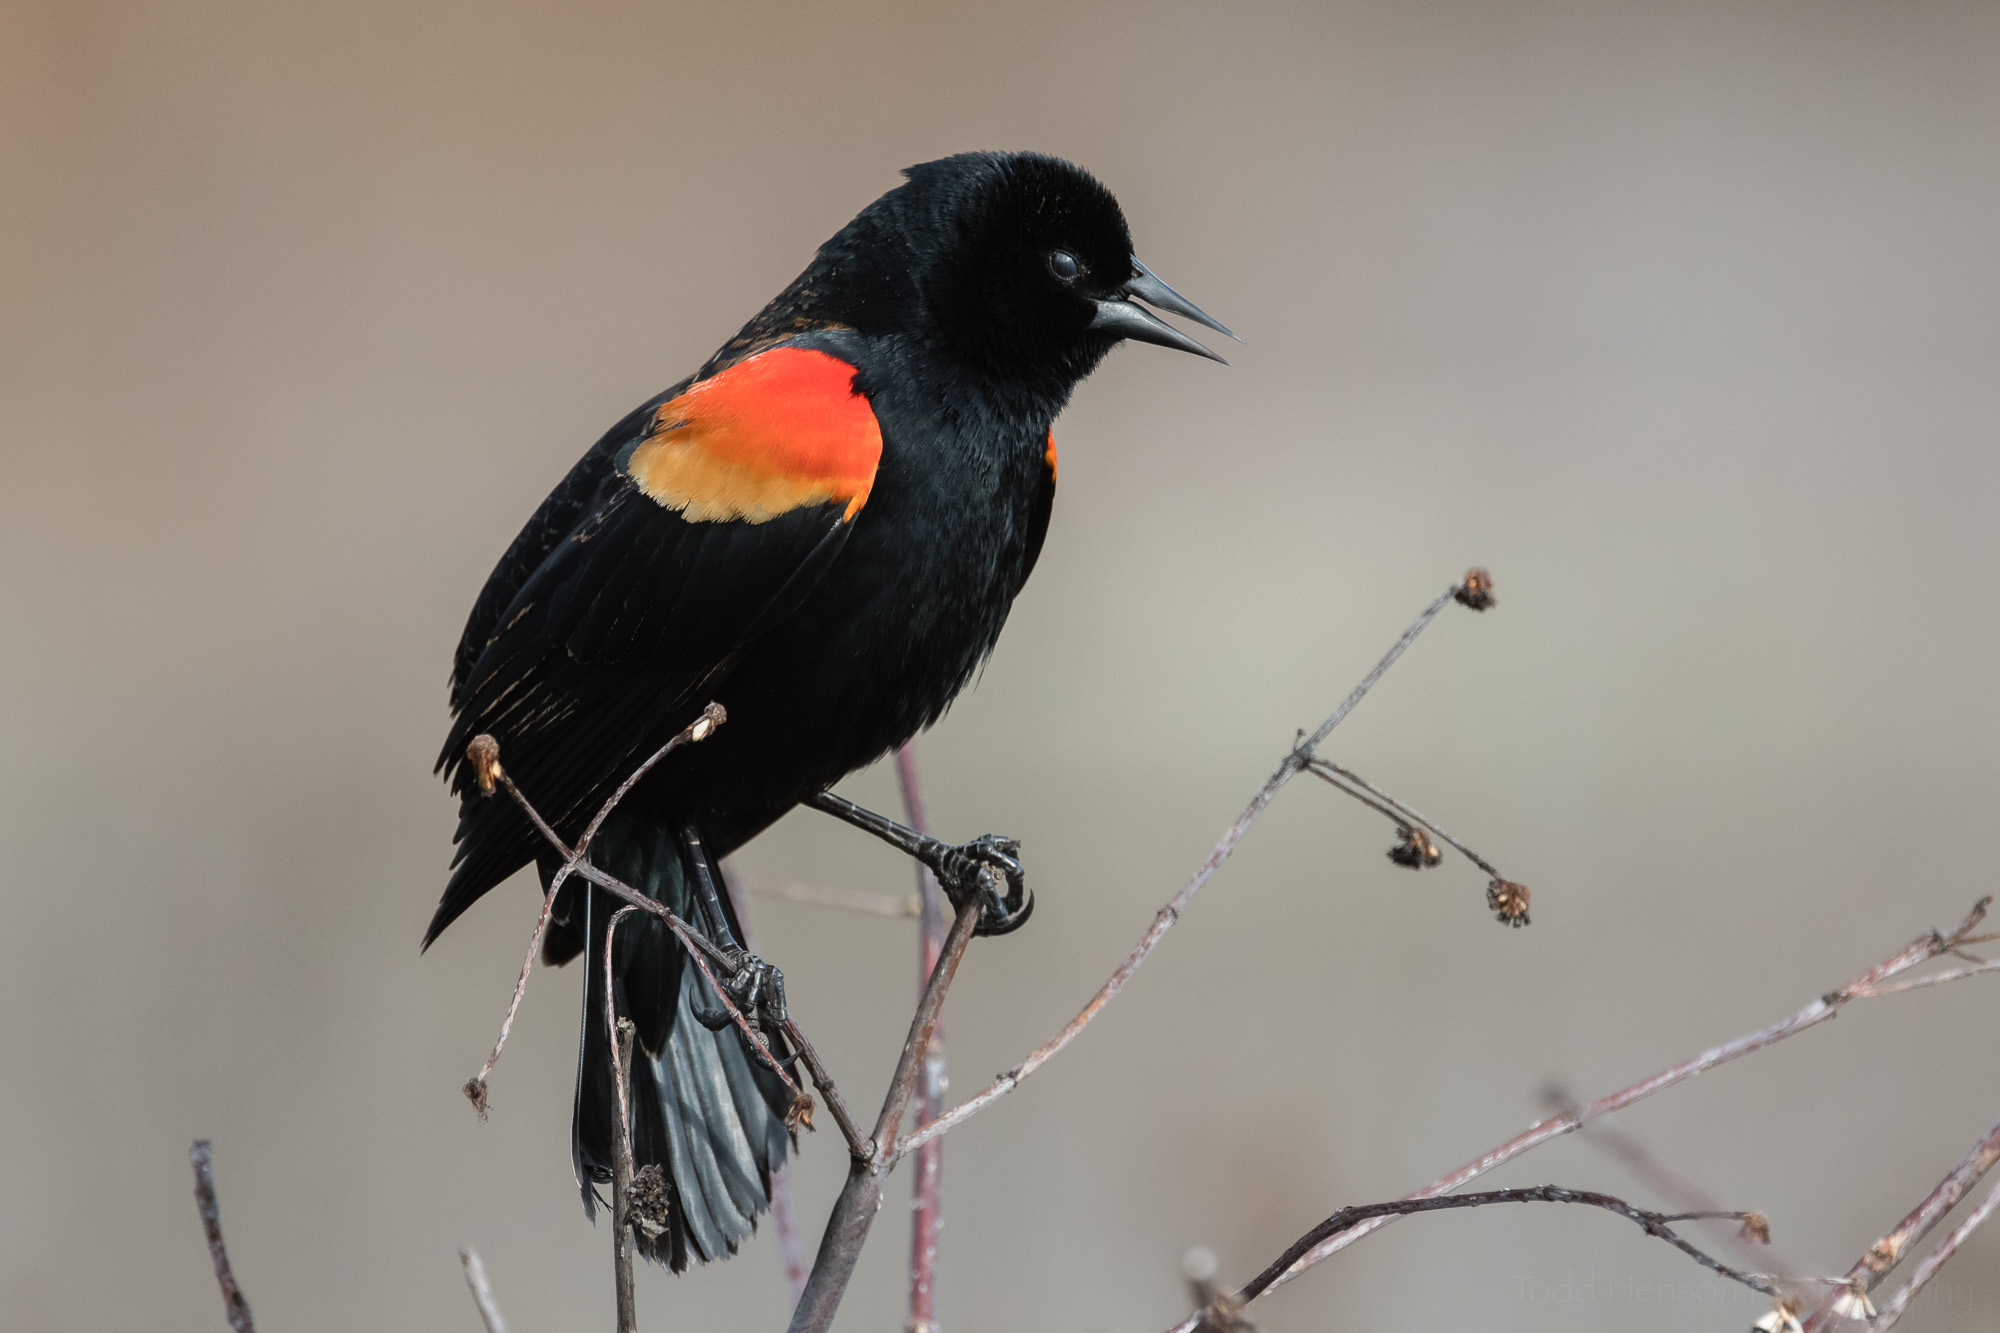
(712,520)
(1043,508)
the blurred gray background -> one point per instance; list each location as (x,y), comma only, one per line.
(1684,319)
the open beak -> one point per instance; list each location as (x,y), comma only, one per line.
(1121,315)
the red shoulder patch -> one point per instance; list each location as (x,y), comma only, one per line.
(1049,455)
(776,432)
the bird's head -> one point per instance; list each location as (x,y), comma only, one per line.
(1017,264)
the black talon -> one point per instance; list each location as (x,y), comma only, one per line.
(987,869)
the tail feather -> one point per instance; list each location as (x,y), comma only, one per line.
(704,1108)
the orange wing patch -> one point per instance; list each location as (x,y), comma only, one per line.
(1049,456)
(776,432)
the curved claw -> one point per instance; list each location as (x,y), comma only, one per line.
(989,869)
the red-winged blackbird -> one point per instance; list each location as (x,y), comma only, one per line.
(822,529)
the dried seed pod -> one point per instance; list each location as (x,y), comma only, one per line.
(1509,901)
(650,1203)
(1414,848)
(1755,1227)
(1476,590)
(484,755)
(800,1113)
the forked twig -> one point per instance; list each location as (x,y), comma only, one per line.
(1896,1243)
(1917,952)
(484,755)
(861,1197)
(1936,1259)
(1468,590)
(201,1156)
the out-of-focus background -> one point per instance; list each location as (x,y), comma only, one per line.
(1684,319)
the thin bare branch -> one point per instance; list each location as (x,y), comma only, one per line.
(201,1156)
(1918,951)
(861,1197)
(857,1144)
(1163,921)
(1654,1224)
(1750,1239)
(1896,1243)
(927,1180)
(482,1291)
(1935,979)
(1920,1277)
(843,900)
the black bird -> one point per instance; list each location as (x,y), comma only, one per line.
(822,529)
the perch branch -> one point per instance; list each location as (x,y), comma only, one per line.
(482,1291)
(1896,1244)
(1346,780)
(861,1197)
(622,1033)
(1163,921)
(1916,952)
(201,1156)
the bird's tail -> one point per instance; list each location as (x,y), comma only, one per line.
(705,1110)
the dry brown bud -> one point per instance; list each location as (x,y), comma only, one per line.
(649,1203)
(1755,1227)
(1509,901)
(1476,591)
(1414,848)
(484,755)
(1881,1256)
(800,1114)
(475,1092)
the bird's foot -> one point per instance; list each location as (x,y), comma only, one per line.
(987,870)
(756,988)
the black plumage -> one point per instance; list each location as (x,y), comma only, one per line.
(968,303)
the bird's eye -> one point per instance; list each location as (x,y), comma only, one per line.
(1064,266)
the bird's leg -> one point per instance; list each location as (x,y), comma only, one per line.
(756,987)
(987,869)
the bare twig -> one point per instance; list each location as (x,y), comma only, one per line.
(1896,1243)
(828,895)
(1163,921)
(784,1212)
(1346,780)
(201,1156)
(857,1146)
(484,754)
(927,1181)
(1654,1224)
(1936,1259)
(482,1291)
(861,1197)
(1918,951)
